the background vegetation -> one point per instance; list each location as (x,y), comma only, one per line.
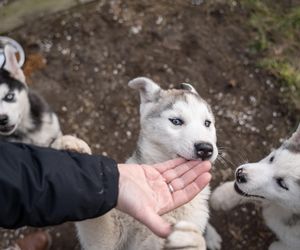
(277,41)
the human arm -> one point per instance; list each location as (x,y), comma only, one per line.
(42,187)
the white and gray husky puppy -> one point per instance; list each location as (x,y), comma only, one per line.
(275,182)
(174,123)
(24,115)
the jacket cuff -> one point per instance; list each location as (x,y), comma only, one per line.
(109,174)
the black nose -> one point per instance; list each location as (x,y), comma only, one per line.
(3,120)
(241,176)
(204,150)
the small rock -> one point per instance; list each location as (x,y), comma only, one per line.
(232,83)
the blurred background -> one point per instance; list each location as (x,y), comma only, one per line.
(241,55)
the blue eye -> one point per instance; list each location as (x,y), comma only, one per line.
(207,123)
(9,97)
(176,121)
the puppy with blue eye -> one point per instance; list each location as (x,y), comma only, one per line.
(24,115)
(173,123)
(275,183)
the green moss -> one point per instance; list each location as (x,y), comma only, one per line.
(283,70)
(277,29)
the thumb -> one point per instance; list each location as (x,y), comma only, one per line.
(156,224)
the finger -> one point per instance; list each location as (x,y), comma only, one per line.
(156,223)
(190,176)
(183,196)
(176,172)
(164,166)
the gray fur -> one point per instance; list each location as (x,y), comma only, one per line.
(168,98)
(189,87)
(292,221)
(138,154)
(166,103)
(292,147)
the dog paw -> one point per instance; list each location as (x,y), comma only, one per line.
(71,143)
(212,238)
(185,236)
(277,245)
(224,197)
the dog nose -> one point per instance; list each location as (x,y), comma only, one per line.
(204,150)
(241,176)
(3,120)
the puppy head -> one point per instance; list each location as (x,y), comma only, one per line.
(276,177)
(13,93)
(179,122)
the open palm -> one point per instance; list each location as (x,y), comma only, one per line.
(144,191)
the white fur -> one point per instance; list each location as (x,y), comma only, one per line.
(46,135)
(281,207)
(213,239)
(71,143)
(185,236)
(160,140)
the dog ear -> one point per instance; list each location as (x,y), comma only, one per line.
(11,64)
(188,87)
(149,90)
(295,138)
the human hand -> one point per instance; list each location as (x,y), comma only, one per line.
(145,193)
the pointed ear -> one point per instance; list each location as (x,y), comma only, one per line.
(11,64)
(188,87)
(295,138)
(149,90)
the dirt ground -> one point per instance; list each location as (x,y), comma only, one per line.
(90,53)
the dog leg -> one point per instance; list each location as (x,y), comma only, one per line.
(185,236)
(225,197)
(71,143)
(212,238)
(102,233)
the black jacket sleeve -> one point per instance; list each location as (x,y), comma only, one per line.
(42,186)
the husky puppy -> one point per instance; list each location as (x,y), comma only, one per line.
(174,123)
(275,182)
(24,115)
